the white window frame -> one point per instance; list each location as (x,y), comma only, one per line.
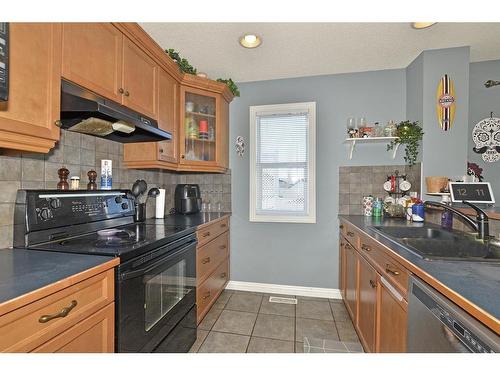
(310,107)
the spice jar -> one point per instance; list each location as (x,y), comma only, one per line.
(75,183)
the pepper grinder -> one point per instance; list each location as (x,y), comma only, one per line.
(92,178)
(63,179)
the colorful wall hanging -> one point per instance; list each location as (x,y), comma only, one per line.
(486,136)
(445,102)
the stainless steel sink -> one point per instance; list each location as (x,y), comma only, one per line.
(436,243)
(408,232)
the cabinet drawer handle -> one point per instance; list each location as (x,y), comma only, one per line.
(121,91)
(206,234)
(366,247)
(222,247)
(58,123)
(350,234)
(182,156)
(223,275)
(341,226)
(206,295)
(348,246)
(61,314)
(161,151)
(373,284)
(389,270)
(126,93)
(205,260)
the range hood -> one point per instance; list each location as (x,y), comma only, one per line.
(85,112)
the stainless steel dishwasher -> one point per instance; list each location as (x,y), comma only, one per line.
(437,325)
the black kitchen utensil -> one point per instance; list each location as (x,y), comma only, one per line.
(153,192)
(140,212)
(136,189)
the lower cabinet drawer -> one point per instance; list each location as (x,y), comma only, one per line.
(92,335)
(210,231)
(30,326)
(210,255)
(386,265)
(210,289)
(351,234)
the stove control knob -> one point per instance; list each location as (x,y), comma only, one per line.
(45,214)
(118,199)
(125,206)
(55,203)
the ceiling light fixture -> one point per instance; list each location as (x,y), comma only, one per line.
(250,41)
(422,25)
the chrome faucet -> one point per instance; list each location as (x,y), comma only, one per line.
(480,225)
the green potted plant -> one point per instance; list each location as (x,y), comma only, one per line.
(232,86)
(181,62)
(409,134)
(186,67)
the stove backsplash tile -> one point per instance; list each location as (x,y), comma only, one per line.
(81,153)
(355,182)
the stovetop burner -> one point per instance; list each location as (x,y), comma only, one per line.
(125,242)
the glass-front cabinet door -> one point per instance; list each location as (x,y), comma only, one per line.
(198,142)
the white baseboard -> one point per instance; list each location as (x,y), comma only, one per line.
(284,289)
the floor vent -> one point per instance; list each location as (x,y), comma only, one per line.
(286,300)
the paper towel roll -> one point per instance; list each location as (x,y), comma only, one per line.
(160,204)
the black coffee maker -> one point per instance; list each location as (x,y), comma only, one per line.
(187,199)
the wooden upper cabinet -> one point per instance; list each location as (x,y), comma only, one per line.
(392,312)
(367,303)
(168,106)
(92,57)
(223,135)
(27,119)
(140,80)
(199,128)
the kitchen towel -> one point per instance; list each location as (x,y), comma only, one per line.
(160,204)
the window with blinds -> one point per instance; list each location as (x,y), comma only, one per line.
(282,171)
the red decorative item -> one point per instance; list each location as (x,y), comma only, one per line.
(393,183)
(204,126)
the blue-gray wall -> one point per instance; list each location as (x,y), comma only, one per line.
(482,101)
(307,254)
(445,152)
(415,95)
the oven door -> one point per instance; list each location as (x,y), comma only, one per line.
(154,295)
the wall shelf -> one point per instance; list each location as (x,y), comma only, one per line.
(353,142)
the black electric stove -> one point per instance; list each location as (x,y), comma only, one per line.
(156,279)
(125,241)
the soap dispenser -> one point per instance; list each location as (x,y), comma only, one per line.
(446,215)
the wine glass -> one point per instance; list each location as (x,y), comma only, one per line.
(351,123)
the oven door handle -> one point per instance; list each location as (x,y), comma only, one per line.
(143,270)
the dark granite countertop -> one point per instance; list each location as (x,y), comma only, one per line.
(192,220)
(23,271)
(478,283)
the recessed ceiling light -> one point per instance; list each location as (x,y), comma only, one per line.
(422,25)
(250,41)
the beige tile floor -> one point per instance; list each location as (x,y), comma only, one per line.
(244,322)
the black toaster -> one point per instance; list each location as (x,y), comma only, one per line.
(187,199)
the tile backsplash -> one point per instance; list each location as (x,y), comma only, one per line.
(80,153)
(355,182)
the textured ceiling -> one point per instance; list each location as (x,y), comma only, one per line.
(305,49)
